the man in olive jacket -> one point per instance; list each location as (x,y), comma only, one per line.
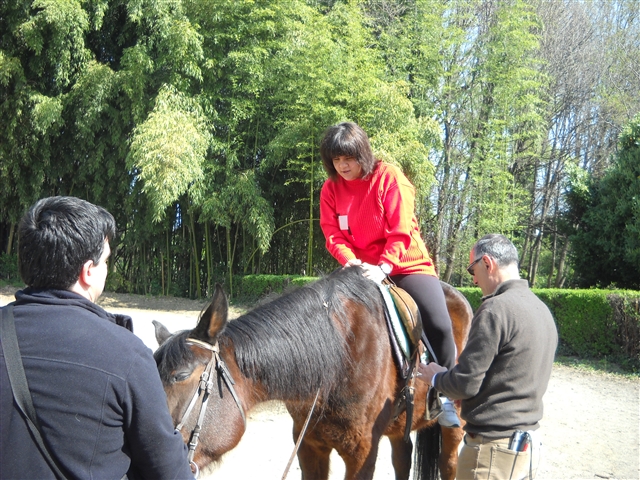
(504,369)
(95,387)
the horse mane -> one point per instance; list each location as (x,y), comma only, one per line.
(297,343)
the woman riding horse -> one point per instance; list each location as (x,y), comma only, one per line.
(366,214)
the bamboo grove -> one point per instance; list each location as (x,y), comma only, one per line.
(197,123)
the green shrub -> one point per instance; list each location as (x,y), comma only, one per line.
(473,295)
(9,267)
(253,287)
(584,319)
(626,314)
(591,323)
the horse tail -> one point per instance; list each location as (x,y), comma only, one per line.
(427,453)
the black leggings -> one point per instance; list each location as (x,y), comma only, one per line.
(428,295)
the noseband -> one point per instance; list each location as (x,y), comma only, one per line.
(205,387)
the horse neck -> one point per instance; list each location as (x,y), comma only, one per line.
(290,348)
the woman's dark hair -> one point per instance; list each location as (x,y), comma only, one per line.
(57,236)
(350,140)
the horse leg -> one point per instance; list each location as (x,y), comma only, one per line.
(360,462)
(401,457)
(448,462)
(314,461)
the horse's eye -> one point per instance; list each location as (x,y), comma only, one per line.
(181,376)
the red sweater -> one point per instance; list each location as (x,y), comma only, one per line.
(373,220)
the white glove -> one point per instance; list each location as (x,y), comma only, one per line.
(373,272)
(353,263)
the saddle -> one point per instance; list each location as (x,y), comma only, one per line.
(409,344)
(408,314)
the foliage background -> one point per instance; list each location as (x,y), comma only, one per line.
(197,123)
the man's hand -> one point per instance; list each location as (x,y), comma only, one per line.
(426,372)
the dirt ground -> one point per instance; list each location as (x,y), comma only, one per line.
(590,428)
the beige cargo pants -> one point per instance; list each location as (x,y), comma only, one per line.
(484,458)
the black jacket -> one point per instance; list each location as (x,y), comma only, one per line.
(96,392)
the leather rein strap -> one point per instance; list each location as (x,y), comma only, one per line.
(205,387)
(300,436)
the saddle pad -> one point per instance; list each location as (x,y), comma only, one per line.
(397,326)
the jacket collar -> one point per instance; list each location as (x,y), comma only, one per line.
(66,298)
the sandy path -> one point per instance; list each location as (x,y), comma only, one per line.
(590,427)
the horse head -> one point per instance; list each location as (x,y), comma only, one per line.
(199,379)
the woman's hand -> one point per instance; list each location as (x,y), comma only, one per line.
(373,272)
(353,263)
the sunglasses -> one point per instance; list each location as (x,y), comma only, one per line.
(471,265)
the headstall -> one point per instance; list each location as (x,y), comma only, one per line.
(205,387)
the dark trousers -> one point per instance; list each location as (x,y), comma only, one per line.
(428,295)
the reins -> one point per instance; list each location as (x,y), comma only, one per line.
(205,387)
(313,406)
(300,435)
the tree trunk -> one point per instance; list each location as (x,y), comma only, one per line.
(208,258)
(560,278)
(229,260)
(452,238)
(554,250)
(553,259)
(310,240)
(455,227)
(161,274)
(442,196)
(196,257)
(12,230)
(169,265)
(547,192)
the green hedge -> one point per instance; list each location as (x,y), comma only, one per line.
(591,323)
(252,287)
(585,320)
(597,323)
(474,295)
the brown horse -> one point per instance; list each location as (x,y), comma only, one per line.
(328,337)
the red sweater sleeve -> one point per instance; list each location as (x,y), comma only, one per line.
(337,244)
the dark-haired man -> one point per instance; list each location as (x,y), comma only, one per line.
(504,369)
(95,387)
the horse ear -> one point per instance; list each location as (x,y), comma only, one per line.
(162,334)
(214,319)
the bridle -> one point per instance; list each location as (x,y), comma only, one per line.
(205,387)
